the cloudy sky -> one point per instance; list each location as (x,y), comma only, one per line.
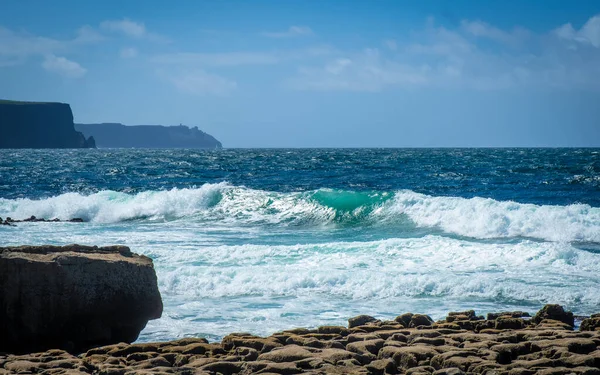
(317,73)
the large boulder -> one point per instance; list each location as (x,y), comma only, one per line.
(591,324)
(360,320)
(554,312)
(74,297)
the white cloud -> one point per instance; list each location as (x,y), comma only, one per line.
(588,34)
(366,71)
(483,30)
(218,59)
(87,34)
(17,47)
(591,31)
(293,31)
(439,42)
(126,27)
(132,29)
(391,44)
(200,82)
(566,31)
(128,53)
(435,56)
(224,59)
(63,66)
(438,57)
(338,66)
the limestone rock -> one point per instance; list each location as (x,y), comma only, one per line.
(590,324)
(509,323)
(519,348)
(404,319)
(420,320)
(360,320)
(507,314)
(554,312)
(288,353)
(74,297)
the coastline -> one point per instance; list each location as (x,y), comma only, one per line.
(333,244)
(502,343)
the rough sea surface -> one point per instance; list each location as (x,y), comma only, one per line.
(264,240)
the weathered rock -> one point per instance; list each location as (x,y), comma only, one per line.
(223,367)
(380,348)
(433,341)
(449,371)
(554,324)
(420,370)
(335,355)
(288,353)
(469,314)
(508,314)
(342,331)
(412,356)
(365,347)
(590,324)
(404,319)
(236,340)
(305,341)
(360,320)
(382,366)
(74,297)
(554,312)
(509,323)
(362,337)
(420,320)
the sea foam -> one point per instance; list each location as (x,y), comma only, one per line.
(431,266)
(315,284)
(489,218)
(224,204)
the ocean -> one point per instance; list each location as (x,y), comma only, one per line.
(261,240)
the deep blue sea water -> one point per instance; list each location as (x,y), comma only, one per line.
(263,240)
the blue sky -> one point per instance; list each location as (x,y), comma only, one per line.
(317,73)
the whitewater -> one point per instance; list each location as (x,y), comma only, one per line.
(263,240)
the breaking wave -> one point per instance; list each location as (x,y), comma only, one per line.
(222,203)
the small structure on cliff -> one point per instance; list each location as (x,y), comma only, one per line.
(39,125)
(74,297)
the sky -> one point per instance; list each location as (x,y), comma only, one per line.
(317,73)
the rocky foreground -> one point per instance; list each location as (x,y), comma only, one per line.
(504,343)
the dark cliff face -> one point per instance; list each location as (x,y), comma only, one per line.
(148,136)
(38,125)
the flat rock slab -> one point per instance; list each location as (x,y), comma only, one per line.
(74,297)
(531,350)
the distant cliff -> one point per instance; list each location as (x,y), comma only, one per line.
(39,125)
(148,136)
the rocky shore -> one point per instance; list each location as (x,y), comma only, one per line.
(505,343)
(76,310)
